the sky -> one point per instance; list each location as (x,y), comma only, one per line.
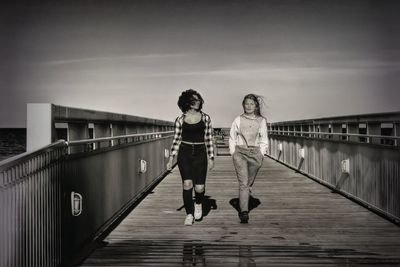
(306,58)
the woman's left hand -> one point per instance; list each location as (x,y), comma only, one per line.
(210,164)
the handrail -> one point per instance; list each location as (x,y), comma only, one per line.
(338,134)
(102,139)
(30,154)
(5,164)
(41,187)
(368,117)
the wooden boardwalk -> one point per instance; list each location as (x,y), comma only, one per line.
(297,223)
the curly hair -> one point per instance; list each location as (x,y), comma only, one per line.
(186,100)
(257,100)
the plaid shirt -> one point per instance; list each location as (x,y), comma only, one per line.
(208,135)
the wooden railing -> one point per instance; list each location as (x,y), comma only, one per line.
(57,200)
(357,156)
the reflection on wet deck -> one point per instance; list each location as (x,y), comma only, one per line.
(294,222)
(198,253)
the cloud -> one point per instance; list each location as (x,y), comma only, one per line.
(110,58)
(270,71)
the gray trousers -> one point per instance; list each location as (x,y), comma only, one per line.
(247,162)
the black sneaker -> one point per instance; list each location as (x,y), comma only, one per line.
(244,217)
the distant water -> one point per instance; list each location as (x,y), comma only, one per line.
(12,142)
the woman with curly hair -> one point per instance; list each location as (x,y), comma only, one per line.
(193,142)
(248,143)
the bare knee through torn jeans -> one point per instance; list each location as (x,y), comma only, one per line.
(247,162)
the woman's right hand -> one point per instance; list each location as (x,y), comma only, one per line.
(169,164)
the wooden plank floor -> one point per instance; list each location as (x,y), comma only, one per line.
(298,223)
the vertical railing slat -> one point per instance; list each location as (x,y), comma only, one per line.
(30,203)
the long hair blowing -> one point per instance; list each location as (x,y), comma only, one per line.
(258,100)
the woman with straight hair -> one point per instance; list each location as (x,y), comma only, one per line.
(248,143)
(193,143)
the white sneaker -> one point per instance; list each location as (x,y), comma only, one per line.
(198,212)
(189,219)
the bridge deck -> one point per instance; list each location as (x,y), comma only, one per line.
(298,223)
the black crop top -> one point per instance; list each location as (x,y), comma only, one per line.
(193,132)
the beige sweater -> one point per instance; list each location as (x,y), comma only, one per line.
(251,132)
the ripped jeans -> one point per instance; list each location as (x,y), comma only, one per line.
(247,162)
